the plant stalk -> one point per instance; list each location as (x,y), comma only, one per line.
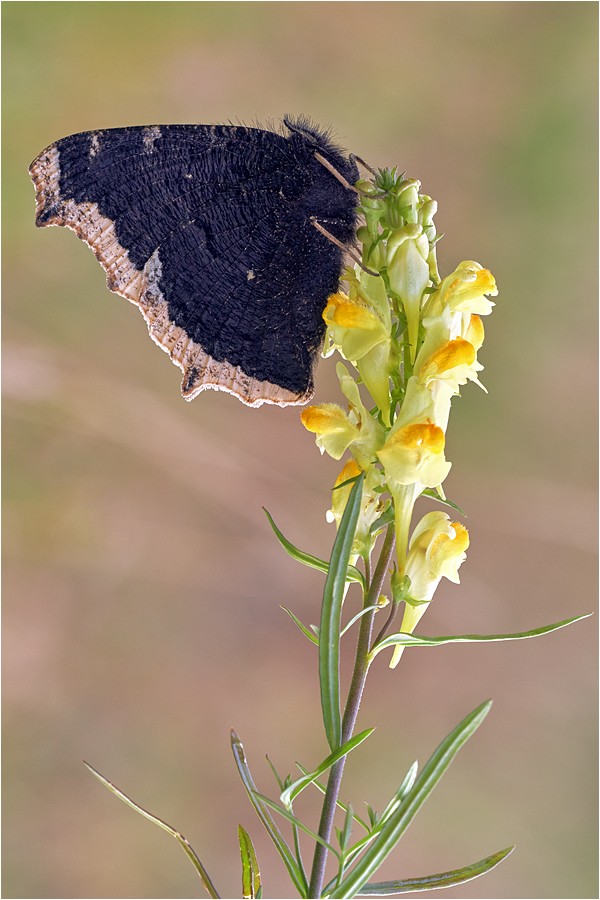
(355,692)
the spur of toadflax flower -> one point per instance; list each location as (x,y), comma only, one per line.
(436,550)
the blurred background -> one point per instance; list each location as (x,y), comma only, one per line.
(141,581)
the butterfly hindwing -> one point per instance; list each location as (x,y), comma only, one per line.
(208,230)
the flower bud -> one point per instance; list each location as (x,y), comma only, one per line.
(408,273)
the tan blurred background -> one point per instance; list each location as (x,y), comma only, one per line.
(141,582)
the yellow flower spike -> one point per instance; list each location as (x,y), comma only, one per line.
(437,550)
(335,432)
(408,273)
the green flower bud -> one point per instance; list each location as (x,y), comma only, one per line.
(408,273)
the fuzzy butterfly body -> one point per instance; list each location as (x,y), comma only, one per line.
(208,230)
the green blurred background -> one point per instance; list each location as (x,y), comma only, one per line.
(141,582)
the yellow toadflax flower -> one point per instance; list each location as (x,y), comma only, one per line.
(437,549)
(414,448)
(334,430)
(464,291)
(337,431)
(359,326)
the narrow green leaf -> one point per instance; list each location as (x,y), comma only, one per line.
(373,817)
(343,806)
(384,519)
(291,792)
(431,882)
(357,617)
(306,631)
(416,640)
(344,837)
(313,562)
(265,816)
(379,822)
(297,850)
(331,612)
(250,869)
(276,774)
(292,818)
(401,793)
(398,822)
(181,840)
(433,494)
(345,483)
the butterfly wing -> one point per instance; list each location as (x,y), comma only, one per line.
(207,229)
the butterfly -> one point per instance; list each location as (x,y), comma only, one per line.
(210,231)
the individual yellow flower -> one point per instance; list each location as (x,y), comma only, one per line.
(437,549)
(338,431)
(415,453)
(334,430)
(371,432)
(448,357)
(359,326)
(413,456)
(464,291)
(353,327)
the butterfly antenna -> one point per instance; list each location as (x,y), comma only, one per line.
(325,162)
(357,159)
(350,250)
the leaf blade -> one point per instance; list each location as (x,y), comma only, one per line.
(250,868)
(307,559)
(265,816)
(181,840)
(399,821)
(402,639)
(434,882)
(286,814)
(329,629)
(305,631)
(291,792)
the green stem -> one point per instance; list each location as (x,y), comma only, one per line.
(359,677)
